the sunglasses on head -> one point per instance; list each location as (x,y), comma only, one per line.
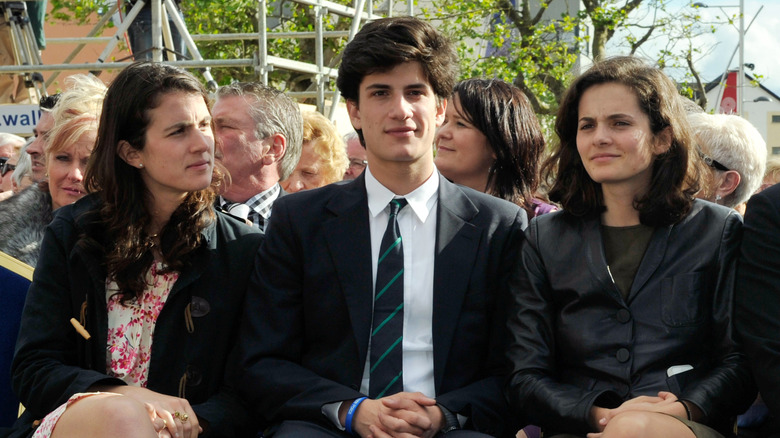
(712,162)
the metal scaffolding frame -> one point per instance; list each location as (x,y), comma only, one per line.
(263,62)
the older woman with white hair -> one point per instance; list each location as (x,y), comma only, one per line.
(10,146)
(734,153)
(22,176)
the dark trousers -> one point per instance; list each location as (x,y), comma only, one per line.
(312,430)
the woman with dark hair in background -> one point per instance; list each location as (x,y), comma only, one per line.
(622,321)
(130,321)
(491,141)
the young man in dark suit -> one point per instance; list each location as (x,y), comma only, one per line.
(376,306)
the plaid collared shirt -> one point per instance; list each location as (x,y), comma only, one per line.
(259,206)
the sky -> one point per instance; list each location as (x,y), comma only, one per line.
(762,39)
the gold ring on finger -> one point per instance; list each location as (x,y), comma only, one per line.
(182,416)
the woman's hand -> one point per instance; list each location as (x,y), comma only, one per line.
(171,416)
(666,403)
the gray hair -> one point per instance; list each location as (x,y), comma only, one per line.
(23,164)
(273,112)
(735,143)
(15,140)
(348,137)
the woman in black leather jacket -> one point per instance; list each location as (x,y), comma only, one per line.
(622,321)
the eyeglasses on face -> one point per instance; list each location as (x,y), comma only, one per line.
(6,167)
(356,163)
(712,162)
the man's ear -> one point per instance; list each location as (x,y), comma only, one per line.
(129,154)
(728,183)
(354,114)
(441,108)
(277,148)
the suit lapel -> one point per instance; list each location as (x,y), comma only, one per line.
(349,243)
(457,244)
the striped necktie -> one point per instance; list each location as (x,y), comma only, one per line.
(385,376)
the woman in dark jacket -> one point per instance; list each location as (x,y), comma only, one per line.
(130,321)
(622,322)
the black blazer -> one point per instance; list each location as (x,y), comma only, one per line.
(758,293)
(53,362)
(305,339)
(576,342)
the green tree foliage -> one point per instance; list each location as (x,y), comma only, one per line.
(528,46)
(540,53)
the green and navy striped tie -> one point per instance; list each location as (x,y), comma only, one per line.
(386,377)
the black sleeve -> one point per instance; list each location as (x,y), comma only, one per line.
(758,293)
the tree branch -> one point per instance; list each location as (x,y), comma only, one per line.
(700,91)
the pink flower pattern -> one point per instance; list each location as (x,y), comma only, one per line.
(131,327)
(130,333)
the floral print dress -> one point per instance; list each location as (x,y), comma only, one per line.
(130,333)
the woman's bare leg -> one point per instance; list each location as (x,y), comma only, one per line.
(105,415)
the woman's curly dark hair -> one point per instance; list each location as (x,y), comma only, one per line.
(138,89)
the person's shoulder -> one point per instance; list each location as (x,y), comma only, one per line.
(234,227)
(483,201)
(710,212)
(30,196)
(309,199)
(558,223)
(770,194)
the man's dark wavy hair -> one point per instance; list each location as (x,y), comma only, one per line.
(385,43)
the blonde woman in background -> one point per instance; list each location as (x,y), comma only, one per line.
(772,173)
(24,217)
(323,158)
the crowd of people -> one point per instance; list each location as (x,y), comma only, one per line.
(238,269)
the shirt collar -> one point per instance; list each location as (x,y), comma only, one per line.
(421,200)
(261,203)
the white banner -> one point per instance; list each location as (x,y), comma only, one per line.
(19,119)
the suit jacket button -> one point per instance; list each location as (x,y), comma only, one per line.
(200,307)
(623,316)
(623,355)
(194,376)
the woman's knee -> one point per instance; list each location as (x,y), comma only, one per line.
(105,415)
(631,424)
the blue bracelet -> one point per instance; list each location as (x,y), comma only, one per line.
(351,414)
